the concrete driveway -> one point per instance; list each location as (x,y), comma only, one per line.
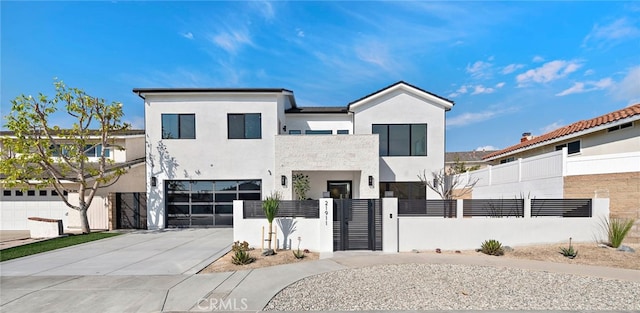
(166,252)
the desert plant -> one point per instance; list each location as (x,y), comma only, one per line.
(270,207)
(301,185)
(617,229)
(241,255)
(297,253)
(491,247)
(569,252)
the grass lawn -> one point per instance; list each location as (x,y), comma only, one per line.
(48,245)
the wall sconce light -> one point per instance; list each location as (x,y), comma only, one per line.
(370,181)
(283,180)
(154,181)
(284,128)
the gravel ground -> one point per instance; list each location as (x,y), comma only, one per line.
(457,287)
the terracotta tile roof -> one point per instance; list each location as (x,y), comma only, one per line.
(573,128)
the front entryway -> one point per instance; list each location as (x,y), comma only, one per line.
(357,224)
(339,189)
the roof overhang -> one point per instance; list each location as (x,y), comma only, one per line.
(446,104)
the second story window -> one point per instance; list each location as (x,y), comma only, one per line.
(244,126)
(178,126)
(317,132)
(402,139)
(572,147)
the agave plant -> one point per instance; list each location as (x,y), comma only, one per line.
(491,247)
(270,207)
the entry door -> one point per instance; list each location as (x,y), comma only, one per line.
(339,189)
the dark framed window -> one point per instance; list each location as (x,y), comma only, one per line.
(401,139)
(178,126)
(572,147)
(42,192)
(507,160)
(31,193)
(244,126)
(404,190)
(343,131)
(317,132)
(295,132)
(6,192)
(19,193)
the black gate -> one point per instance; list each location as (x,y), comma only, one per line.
(131,210)
(357,224)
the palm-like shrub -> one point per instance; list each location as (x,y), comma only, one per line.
(617,229)
(270,207)
(491,247)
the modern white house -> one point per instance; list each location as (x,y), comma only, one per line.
(207,147)
(19,203)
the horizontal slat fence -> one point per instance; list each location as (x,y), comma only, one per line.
(432,208)
(287,208)
(561,207)
(494,207)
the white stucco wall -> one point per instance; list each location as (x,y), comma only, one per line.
(333,122)
(211,156)
(400,107)
(14,210)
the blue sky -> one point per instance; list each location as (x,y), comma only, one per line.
(510,67)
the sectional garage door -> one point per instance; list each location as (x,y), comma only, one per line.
(206,203)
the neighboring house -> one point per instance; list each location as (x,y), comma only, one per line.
(17,204)
(208,146)
(470,159)
(599,157)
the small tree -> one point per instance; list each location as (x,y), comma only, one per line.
(447,184)
(301,185)
(270,207)
(460,167)
(44,155)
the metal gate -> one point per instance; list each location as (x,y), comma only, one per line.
(357,224)
(131,210)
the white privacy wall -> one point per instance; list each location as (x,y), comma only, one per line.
(316,234)
(427,233)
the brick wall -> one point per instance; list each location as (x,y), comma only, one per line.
(623,190)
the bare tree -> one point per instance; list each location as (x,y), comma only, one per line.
(447,184)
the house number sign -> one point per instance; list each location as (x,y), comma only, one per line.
(326,212)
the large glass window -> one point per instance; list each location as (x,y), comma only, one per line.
(404,190)
(401,139)
(317,132)
(244,126)
(178,126)
(207,203)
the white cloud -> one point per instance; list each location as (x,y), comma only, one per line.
(470,118)
(376,53)
(486,148)
(232,41)
(580,87)
(462,90)
(611,34)
(628,89)
(479,69)
(500,84)
(265,8)
(589,72)
(551,127)
(511,68)
(299,32)
(187,35)
(549,71)
(479,89)
(537,59)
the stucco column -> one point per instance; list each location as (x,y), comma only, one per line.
(390,225)
(325,227)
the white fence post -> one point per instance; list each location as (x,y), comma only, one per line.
(459,208)
(390,225)
(527,207)
(325,228)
